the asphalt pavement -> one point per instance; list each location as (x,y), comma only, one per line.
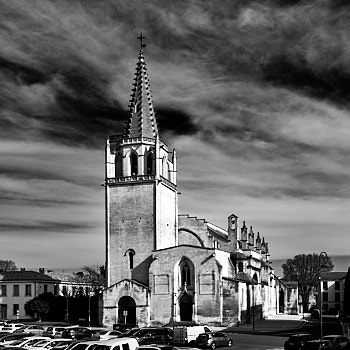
(276,324)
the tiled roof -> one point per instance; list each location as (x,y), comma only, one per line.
(26,276)
(332,276)
(142,120)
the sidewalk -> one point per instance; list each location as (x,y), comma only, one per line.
(274,324)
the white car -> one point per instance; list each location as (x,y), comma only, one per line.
(105,334)
(11,327)
(31,329)
(24,342)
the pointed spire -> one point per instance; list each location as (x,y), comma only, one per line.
(141,121)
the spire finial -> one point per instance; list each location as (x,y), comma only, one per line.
(141,37)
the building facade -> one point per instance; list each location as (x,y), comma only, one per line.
(331,292)
(18,287)
(162,266)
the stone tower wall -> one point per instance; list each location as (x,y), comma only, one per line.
(131,225)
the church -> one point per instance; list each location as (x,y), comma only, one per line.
(162,266)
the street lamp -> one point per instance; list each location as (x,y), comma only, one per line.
(323,257)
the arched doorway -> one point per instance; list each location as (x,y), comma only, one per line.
(186,306)
(127,310)
(281,301)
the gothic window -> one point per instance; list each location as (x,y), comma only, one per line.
(134,165)
(118,165)
(165,168)
(149,164)
(185,274)
(240,266)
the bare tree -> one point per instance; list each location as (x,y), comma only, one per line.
(305,269)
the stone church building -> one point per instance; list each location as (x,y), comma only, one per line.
(162,266)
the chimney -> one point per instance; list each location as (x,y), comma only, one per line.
(42,270)
(23,269)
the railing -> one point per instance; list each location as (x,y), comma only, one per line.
(130,179)
(119,138)
(138,178)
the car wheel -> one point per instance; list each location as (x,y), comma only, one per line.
(229,343)
(213,345)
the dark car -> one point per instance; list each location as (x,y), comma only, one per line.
(154,335)
(317,344)
(213,340)
(296,341)
(13,336)
(77,332)
(123,327)
(338,341)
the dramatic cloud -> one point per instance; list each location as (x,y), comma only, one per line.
(252,94)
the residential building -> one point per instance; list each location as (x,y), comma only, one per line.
(332,288)
(18,287)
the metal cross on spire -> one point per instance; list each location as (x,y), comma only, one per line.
(141,37)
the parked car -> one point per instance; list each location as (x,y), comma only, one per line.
(316,344)
(296,341)
(11,327)
(123,327)
(12,336)
(338,341)
(117,344)
(105,334)
(54,332)
(77,332)
(33,329)
(2,324)
(129,333)
(25,342)
(154,335)
(213,340)
(49,344)
(84,345)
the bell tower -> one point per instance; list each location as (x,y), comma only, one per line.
(140,189)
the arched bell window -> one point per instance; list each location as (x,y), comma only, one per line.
(134,165)
(149,164)
(118,165)
(240,266)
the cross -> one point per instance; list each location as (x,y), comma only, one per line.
(141,37)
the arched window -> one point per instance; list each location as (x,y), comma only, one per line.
(118,165)
(240,266)
(130,254)
(131,260)
(149,164)
(186,273)
(134,165)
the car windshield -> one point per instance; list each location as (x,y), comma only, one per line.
(131,331)
(42,342)
(18,342)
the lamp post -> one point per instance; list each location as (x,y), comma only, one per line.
(322,258)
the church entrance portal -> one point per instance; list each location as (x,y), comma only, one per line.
(127,310)
(186,306)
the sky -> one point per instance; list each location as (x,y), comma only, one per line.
(253,95)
